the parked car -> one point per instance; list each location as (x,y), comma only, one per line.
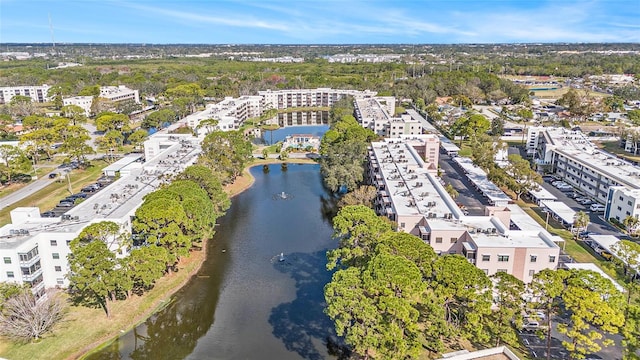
(597,208)
(586,202)
(48,214)
(53,175)
(65,204)
(535,316)
(530,325)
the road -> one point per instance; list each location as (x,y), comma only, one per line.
(22,193)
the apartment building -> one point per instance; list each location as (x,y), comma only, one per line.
(230,114)
(572,157)
(119,93)
(376,113)
(37,94)
(293,98)
(410,194)
(84,102)
(34,249)
(622,202)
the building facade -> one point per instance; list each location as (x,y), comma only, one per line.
(37,94)
(119,93)
(411,195)
(321,97)
(83,102)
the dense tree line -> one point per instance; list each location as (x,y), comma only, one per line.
(171,222)
(343,148)
(392,297)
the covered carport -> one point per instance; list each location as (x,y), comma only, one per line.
(541,194)
(560,211)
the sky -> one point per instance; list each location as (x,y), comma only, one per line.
(319,22)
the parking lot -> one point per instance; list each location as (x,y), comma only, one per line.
(70,201)
(473,201)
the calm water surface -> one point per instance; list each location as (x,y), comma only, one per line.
(244,303)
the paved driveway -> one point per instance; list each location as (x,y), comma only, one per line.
(468,195)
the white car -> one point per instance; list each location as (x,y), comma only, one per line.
(597,208)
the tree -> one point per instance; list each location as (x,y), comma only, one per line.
(208,124)
(634,117)
(112,121)
(363,195)
(631,333)
(595,306)
(147,264)
(497,127)
(211,184)
(631,224)
(461,289)
(21,106)
(92,265)
(629,254)
(358,229)
(546,288)
(159,119)
(189,94)
(13,161)
(55,94)
(508,291)
(523,177)
(24,317)
(161,221)
(137,138)
(75,113)
(226,153)
(581,221)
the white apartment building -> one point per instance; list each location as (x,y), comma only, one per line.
(119,93)
(34,249)
(230,113)
(622,202)
(292,98)
(37,94)
(571,156)
(376,113)
(84,102)
(505,238)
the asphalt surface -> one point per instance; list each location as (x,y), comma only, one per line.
(22,193)
(467,194)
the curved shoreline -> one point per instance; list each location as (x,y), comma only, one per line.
(242,183)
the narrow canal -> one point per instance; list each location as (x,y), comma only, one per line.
(245,303)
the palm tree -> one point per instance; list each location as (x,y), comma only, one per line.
(631,224)
(581,221)
(451,191)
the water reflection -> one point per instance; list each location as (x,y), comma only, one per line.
(242,304)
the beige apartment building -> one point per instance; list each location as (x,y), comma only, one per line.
(504,238)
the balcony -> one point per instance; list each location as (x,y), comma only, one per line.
(30,262)
(31,277)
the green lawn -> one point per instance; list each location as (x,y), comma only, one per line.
(614,148)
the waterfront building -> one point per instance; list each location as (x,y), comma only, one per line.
(411,195)
(34,249)
(321,97)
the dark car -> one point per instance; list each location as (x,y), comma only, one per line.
(53,175)
(48,214)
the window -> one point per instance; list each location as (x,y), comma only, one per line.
(60,281)
(402,225)
(503,258)
(453,240)
(56,255)
(68,242)
(552,258)
(501,270)
(53,242)
(10,274)
(486,271)
(533,258)
(486,257)
(532,272)
(438,240)
(58,268)
(7,260)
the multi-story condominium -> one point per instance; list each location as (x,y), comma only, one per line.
(410,194)
(230,113)
(84,102)
(376,113)
(119,93)
(36,93)
(572,157)
(293,98)
(34,249)
(622,202)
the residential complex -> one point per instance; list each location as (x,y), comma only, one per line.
(36,93)
(293,98)
(601,175)
(230,113)
(377,114)
(34,249)
(83,102)
(411,195)
(119,93)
